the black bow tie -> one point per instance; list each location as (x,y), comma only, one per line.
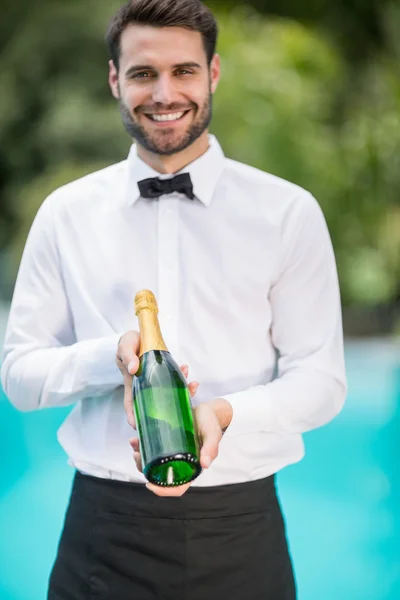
(155,187)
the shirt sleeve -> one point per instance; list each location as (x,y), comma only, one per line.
(42,364)
(311,387)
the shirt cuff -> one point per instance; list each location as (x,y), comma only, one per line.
(250,410)
(98,362)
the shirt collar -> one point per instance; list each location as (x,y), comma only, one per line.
(204,172)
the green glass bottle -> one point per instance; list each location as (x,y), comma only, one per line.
(169,443)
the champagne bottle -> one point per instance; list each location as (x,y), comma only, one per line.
(169,443)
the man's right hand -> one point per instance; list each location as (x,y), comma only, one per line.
(128,363)
(127,359)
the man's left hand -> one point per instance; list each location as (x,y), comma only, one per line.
(211,419)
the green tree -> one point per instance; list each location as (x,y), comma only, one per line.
(287,104)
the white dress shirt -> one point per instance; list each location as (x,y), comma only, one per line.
(242,274)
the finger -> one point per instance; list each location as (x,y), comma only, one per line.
(133,365)
(128,350)
(128,404)
(193,387)
(126,368)
(174,492)
(138,460)
(209,449)
(185,370)
(135,444)
(210,434)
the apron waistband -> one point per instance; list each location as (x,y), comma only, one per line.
(134,499)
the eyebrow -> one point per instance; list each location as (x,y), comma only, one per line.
(136,68)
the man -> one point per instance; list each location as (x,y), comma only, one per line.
(243,270)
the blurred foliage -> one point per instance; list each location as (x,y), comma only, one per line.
(356,26)
(275,109)
(293,101)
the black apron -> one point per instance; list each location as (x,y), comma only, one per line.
(122,542)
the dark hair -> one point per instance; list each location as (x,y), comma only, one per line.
(190,14)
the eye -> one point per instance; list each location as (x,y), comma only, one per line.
(142,75)
(184,72)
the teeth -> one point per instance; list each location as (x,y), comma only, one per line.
(172,117)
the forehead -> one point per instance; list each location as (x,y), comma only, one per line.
(160,46)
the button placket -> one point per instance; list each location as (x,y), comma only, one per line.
(168,270)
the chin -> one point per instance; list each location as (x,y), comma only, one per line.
(168,144)
(167,149)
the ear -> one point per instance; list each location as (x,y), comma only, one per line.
(215,72)
(113,79)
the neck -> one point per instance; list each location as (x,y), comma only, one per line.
(176,162)
(150,333)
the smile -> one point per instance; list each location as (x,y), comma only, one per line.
(167,118)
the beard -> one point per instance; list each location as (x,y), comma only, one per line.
(155,143)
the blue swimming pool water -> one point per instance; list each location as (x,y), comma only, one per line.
(342,502)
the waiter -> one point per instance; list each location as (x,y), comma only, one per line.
(243,269)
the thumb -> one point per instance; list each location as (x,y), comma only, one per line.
(210,435)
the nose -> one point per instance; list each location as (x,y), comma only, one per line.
(164,91)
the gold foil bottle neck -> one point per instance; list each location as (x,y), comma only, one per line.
(145,299)
(146,310)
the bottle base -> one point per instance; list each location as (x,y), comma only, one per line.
(173,470)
